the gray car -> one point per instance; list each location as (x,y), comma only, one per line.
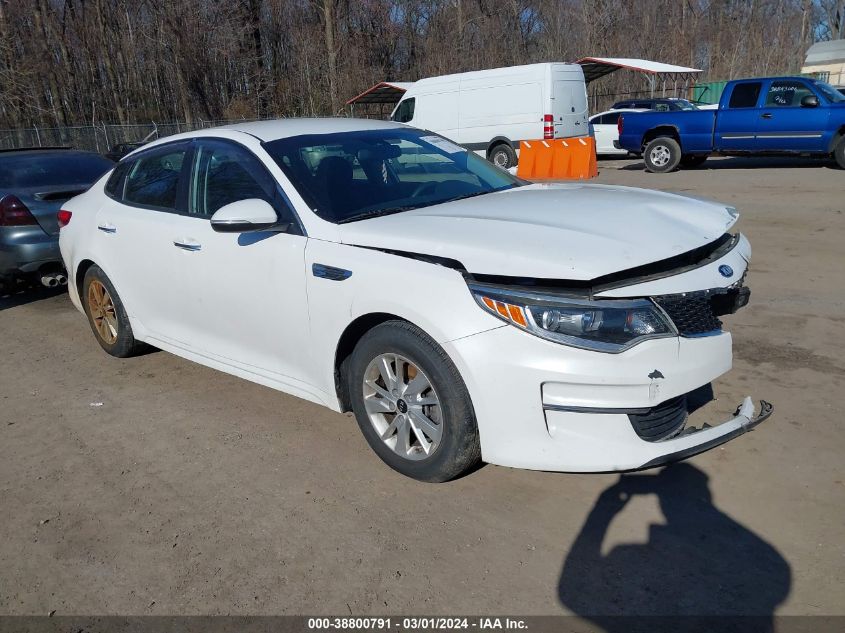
(34,183)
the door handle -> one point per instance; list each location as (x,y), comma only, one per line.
(766,115)
(107,228)
(187,245)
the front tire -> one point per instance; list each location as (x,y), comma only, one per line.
(412,404)
(503,155)
(107,316)
(662,155)
(839,153)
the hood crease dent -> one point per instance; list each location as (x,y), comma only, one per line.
(575,232)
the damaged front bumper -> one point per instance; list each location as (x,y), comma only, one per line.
(607,443)
(696,441)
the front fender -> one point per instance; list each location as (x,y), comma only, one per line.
(432,297)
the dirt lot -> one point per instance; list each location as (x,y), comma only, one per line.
(188,491)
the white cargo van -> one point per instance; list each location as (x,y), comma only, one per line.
(490,111)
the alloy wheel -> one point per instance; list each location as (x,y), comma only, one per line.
(403,406)
(102,311)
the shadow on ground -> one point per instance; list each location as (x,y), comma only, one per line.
(21,295)
(700,562)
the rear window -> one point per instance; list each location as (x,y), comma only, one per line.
(745,95)
(34,169)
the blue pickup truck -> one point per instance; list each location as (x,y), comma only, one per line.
(779,115)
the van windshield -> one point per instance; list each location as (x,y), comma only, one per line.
(350,176)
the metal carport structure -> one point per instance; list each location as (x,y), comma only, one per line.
(381,94)
(655,73)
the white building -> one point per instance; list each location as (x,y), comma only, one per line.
(826,60)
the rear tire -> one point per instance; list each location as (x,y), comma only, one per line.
(502,155)
(662,155)
(428,431)
(107,316)
(839,153)
(693,160)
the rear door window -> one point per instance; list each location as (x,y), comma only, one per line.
(114,185)
(745,95)
(153,179)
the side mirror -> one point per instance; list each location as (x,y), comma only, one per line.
(809,101)
(245,216)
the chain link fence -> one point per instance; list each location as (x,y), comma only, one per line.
(98,137)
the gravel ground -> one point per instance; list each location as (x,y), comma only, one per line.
(156,486)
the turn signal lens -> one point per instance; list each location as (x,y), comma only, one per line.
(507,311)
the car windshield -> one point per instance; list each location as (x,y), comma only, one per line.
(34,169)
(352,176)
(832,94)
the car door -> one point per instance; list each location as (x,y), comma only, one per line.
(784,125)
(736,125)
(133,243)
(247,300)
(606,132)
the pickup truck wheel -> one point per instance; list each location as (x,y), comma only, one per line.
(662,155)
(839,153)
(693,160)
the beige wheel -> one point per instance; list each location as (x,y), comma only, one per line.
(107,316)
(102,311)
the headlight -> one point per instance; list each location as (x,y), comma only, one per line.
(604,325)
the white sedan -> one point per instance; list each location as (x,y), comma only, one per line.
(460,313)
(606,130)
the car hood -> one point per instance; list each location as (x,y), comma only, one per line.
(550,231)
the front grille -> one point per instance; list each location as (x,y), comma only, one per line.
(661,422)
(691,313)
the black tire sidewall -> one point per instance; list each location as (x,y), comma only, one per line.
(507,150)
(459,447)
(125,344)
(674,152)
(839,153)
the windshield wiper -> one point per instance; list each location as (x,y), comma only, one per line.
(375,213)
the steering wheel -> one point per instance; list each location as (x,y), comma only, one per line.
(420,188)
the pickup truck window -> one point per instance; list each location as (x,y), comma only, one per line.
(833,95)
(745,95)
(786,93)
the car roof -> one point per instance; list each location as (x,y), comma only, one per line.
(283,128)
(275,129)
